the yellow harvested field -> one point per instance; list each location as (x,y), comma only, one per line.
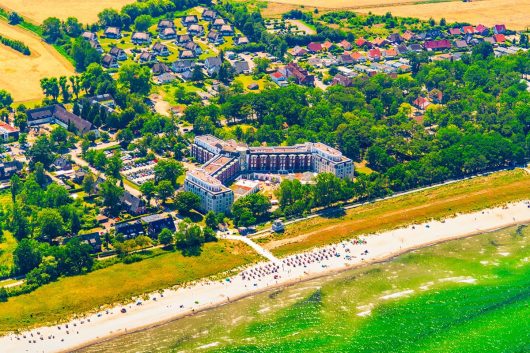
(86,11)
(512,13)
(20,74)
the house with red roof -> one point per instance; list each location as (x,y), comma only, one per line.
(380,42)
(327,45)
(361,42)
(345,45)
(408,35)
(390,53)
(358,56)
(499,29)
(468,30)
(421,103)
(314,47)
(375,54)
(299,51)
(437,44)
(455,31)
(499,38)
(278,78)
(481,29)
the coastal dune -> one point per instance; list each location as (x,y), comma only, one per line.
(171,304)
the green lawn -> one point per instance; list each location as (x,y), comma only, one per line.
(8,245)
(118,283)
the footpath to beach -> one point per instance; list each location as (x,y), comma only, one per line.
(171,304)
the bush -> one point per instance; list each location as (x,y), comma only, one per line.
(15,44)
(129,259)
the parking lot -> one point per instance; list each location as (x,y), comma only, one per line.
(136,170)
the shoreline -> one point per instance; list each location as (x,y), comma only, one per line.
(204,295)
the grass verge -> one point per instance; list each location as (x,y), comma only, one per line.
(118,283)
(441,202)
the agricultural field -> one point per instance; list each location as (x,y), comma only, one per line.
(487,12)
(118,283)
(445,201)
(21,74)
(86,11)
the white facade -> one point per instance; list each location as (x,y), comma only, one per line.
(214,195)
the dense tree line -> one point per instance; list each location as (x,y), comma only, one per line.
(16,45)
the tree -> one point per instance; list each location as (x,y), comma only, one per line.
(40,175)
(186,201)
(142,23)
(149,190)
(3,295)
(19,224)
(262,64)
(27,256)
(112,195)
(189,238)
(72,27)
(165,237)
(5,99)
(249,209)
(50,87)
(83,54)
(51,29)
(164,190)
(196,74)
(41,151)
(89,183)
(114,165)
(109,17)
(51,224)
(135,77)
(168,169)
(14,18)
(212,220)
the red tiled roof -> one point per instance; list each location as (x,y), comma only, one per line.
(499,38)
(314,46)
(360,41)
(438,44)
(468,29)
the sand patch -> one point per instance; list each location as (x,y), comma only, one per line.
(397,295)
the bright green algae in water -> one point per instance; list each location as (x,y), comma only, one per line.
(469,295)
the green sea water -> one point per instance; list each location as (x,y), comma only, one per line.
(469,295)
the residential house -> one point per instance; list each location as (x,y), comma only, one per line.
(183,39)
(380,42)
(147,58)
(109,62)
(346,59)
(118,54)
(209,15)
(102,101)
(455,31)
(482,30)
(408,35)
(8,132)
(130,230)
(62,163)
(315,61)
(489,40)
(160,49)
(327,45)
(163,24)
(344,44)
(499,29)
(314,47)
(468,30)
(499,38)
(437,44)
(95,44)
(93,239)
(186,75)
(278,78)
(186,54)
(215,37)
(298,51)
(218,23)
(89,36)
(341,80)
(241,67)
(390,53)
(300,76)
(395,38)
(194,47)
(133,204)
(141,38)
(8,169)
(227,30)
(189,20)
(112,32)
(359,57)
(164,78)
(415,47)
(154,224)
(167,33)
(436,96)
(212,64)
(402,49)
(182,65)
(196,30)
(461,44)
(159,69)
(242,41)
(421,103)
(375,54)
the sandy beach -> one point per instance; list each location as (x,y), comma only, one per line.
(170,304)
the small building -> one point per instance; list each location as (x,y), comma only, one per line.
(118,53)
(8,169)
(141,38)
(93,239)
(147,58)
(213,64)
(241,67)
(215,37)
(278,78)
(109,62)
(156,223)
(183,39)
(160,49)
(227,30)
(242,41)
(341,80)
(133,204)
(62,163)
(194,47)
(57,114)
(112,32)
(159,69)
(196,30)
(164,24)
(130,230)
(278,226)
(499,29)
(8,132)
(344,44)
(189,20)
(314,47)
(209,15)
(182,65)
(89,36)
(167,33)
(218,23)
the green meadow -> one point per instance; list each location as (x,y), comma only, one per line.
(469,295)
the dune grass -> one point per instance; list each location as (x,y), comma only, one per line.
(444,201)
(80,294)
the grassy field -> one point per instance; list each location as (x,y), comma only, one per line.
(468,295)
(487,12)
(85,10)
(117,283)
(21,74)
(8,244)
(444,201)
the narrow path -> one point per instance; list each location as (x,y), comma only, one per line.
(260,250)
